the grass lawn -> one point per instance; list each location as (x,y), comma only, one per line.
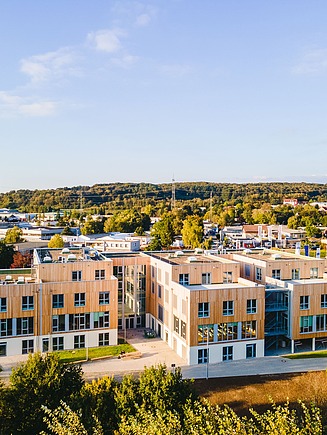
(316,354)
(94,352)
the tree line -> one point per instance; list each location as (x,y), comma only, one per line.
(47,396)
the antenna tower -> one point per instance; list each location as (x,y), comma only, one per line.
(173,194)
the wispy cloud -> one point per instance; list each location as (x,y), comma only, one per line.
(143,20)
(125,61)
(107,40)
(14,105)
(51,65)
(176,70)
(313,62)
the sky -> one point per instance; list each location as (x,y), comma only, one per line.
(108,91)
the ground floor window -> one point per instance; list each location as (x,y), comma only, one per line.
(251,350)
(3,349)
(104,339)
(203,356)
(79,341)
(45,345)
(227,353)
(27,346)
(58,343)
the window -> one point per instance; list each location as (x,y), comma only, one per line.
(118,270)
(27,303)
(159,291)
(5,327)
(295,273)
(176,324)
(45,345)
(306,323)
(25,325)
(205,333)
(79,321)
(247,270)
(228,308)
(101,320)
(275,273)
(160,313)
(76,275)
(3,349)
(251,306)
(57,301)
(249,329)
(58,323)
(203,309)
(203,356)
(79,300)
(258,274)
(58,343)
(206,278)
(321,324)
(79,341)
(3,305)
(104,298)
(227,277)
(304,302)
(227,353)
(183,329)
(27,346)
(323,301)
(184,278)
(251,350)
(227,331)
(313,272)
(100,274)
(104,339)
(152,287)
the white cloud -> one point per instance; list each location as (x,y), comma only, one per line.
(54,64)
(13,105)
(143,20)
(125,61)
(313,62)
(176,70)
(106,40)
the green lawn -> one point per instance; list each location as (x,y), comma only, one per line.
(94,352)
(316,354)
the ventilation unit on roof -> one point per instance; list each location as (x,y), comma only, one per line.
(71,257)
(247,251)
(192,259)
(179,253)
(198,251)
(8,278)
(65,251)
(47,259)
(20,280)
(276,256)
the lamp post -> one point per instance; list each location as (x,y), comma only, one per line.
(207,365)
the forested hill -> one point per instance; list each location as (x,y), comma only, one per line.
(122,195)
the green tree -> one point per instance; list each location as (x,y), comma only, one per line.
(14,235)
(6,255)
(56,241)
(93,226)
(192,232)
(42,380)
(67,231)
(163,231)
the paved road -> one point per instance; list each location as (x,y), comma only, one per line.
(155,351)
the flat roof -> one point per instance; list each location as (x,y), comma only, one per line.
(273,255)
(180,257)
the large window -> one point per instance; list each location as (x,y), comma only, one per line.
(3,349)
(101,320)
(58,343)
(25,325)
(321,322)
(249,329)
(314,272)
(304,302)
(323,301)
(3,305)
(206,278)
(205,333)
(27,346)
(104,298)
(100,274)
(58,323)
(79,300)
(227,331)
(295,273)
(5,327)
(79,341)
(258,274)
(79,321)
(227,277)
(203,356)
(77,275)
(228,308)
(58,301)
(227,353)
(306,323)
(27,303)
(104,339)
(251,306)
(275,273)
(203,309)
(184,278)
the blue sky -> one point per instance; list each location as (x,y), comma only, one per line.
(208,90)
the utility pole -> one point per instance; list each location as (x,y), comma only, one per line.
(173,194)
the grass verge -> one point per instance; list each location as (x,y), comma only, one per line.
(303,355)
(94,352)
